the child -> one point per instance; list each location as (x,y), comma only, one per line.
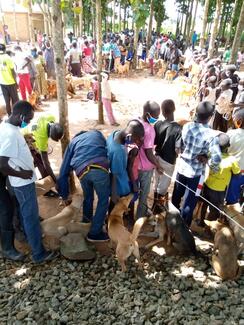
(209,93)
(117,154)
(168,143)
(147,160)
(223,108)
(106,98)
(217,182)
(236,149)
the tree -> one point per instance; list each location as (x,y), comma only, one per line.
(204,23)
(188,30)
(159,13)
(231,23)
(30,22)
(58,47)
(214,33)
(149,31)
(81,18)
(194,18)
(99,58)
(238,34)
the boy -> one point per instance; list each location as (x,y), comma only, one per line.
(168,142)
(117,155)
(147,160)
(217,183)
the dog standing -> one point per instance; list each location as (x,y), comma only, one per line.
(126,242)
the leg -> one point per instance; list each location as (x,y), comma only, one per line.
(88,191)
(26,196)
(13,93)
(144,183)
(6,96)
(28,83)
(179,190)
(108,107)
(22,86)
(6,208)
(101,183)
(190,200)
(163,180)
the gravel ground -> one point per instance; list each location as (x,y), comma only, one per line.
(169,290)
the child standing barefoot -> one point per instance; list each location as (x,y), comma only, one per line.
(106,98)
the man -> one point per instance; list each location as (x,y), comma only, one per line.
(16,162)
(226,56)
(175,55)
(44,129)
(194,39)
(87,156)
(49,60)
(198,144)
(22,61)
(7,79)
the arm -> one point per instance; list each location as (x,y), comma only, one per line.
(63,179)
(47,166)
(131,159)
(153,159)
(215,154)
(9,171)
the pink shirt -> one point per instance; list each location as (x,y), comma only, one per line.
(149,137)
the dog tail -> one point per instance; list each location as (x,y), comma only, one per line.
(137,227)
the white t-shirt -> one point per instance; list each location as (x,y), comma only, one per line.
(236,148)
(14,146)
(21,62)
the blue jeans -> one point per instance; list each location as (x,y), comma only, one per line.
(26,196)
(189,200)
(144,186)
(234,189)
(98,180)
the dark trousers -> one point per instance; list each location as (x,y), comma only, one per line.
(10,96)
(189,200)
(75,69)
(6,206)
(216,198)
(219,123)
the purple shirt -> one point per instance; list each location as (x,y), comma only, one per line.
(149,137)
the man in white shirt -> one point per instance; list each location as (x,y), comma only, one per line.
(16,162)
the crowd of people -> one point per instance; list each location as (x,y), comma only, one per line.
(128,160)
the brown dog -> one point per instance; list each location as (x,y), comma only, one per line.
(126,242)
(71,212)
(124,69)
(169,75)
(224,258)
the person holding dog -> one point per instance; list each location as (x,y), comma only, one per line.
(87,155)
(16,162)
(200,146)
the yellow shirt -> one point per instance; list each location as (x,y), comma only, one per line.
(40,132)
(220,180)
(6,65)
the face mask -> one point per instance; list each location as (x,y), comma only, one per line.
(23,123)
(151,120)
(128,139)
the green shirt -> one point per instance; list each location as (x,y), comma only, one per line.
(6,67)
(40,132)
(227,56)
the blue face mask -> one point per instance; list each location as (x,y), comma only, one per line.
(152,120)
(128,140)
(23,123)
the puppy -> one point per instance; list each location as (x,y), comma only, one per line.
(174,228)
(169,75)
(71,212)
(124,69)
(126,242)
(224,258)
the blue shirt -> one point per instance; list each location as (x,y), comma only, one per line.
(117,155)
(85,149)
(116,50)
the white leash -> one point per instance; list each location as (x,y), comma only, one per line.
(222,212)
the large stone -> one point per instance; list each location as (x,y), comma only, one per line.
(74,247)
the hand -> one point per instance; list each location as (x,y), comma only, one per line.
(25,174)
(160,170)
(202,159)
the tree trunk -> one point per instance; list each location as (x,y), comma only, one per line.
(225,22)
(181,22)
(119,17)
(81,18)
(30,23)
(237,39)
(114,8)
(135,46)
(187,18)
(222,19)
(204,23)
(231,23)
(177,24)
(99,59)
(214,33)
(194,17)
(94,22)
(149,32)
(125,9)
(188,30)
(58,48)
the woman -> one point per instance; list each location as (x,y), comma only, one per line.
(41,82)
(87,58)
